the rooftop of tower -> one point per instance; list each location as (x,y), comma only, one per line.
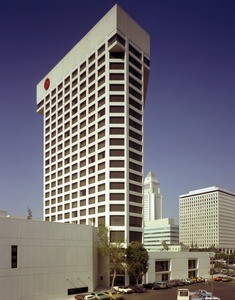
(207,190)
(116,19)
(151,177)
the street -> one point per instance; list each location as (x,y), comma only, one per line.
(223,290)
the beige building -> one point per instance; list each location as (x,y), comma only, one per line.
(92,104)
(207,218)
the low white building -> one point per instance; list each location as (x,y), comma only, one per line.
(177,265)
(158,231)
(41,260)
(45,260)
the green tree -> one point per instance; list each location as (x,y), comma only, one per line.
(113,251)
(30,214)
(136,261)
(165,246)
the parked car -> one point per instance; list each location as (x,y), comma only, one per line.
(200,279)
(159,285)
(138,288)
(226,279)
(180,282)
(186,281)
(173,283)
(123,289)
(155,286)
(168,284)
(113,295)
(100,296)
(89,297)
(79,297)
(209,298)
(201,293)
(177,282)
(148,285)
(217,278)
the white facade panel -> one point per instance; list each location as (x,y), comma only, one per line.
(51,258)
(177,265)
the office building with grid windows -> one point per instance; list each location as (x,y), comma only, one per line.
(207,218)
(157,232)
(92,104)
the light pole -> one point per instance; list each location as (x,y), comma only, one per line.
(212,255)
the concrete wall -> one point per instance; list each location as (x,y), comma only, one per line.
(52,258)
(178,262)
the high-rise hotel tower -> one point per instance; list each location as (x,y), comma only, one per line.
(93,102)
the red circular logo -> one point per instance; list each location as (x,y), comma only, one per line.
(46,83)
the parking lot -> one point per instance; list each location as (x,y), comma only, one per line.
(223,290)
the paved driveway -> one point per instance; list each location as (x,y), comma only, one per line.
(223,290)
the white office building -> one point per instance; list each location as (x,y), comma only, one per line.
(160,232)
(92,103)
(174,265)
(152,198)
(207,218)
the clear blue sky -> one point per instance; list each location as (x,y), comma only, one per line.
(190,109)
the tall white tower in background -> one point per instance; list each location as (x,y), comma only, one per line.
(152,198)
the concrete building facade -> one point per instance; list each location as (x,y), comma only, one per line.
(152,198)
(207,218)
(44,260)
(92,103)
(175,265)
(158,231)
(54,261)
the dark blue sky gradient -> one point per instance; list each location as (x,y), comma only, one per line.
(190,108)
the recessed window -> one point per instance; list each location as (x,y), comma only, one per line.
(116,76)
(135,221)
(117,207)
(14,256)
(116,163)
(83,85)
(117,220)
(116,152)
(117,174)
(116,66)
(134,51)
(117,130)
(101,49)
(117,196)
(82,66)
(117,142)
(101,70)
(116,109)
(91,58)
(117,185)
(116,87)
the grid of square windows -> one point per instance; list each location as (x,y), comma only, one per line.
(75,134)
